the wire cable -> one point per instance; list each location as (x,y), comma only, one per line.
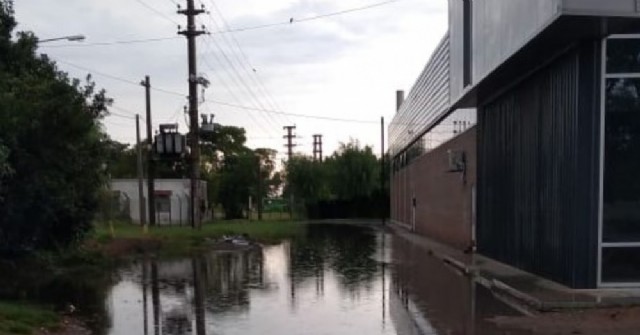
(327,118)
(121,42)
(237,77)
(253,74)
(120,79)
(222,103)
(159,13)
(307,19)
(256,101)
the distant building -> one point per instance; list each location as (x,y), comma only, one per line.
(171,198)
(522,138)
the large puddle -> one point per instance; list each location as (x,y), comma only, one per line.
(337,279)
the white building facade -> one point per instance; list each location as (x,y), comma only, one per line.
(171,199)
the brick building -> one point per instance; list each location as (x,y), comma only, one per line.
(521,138)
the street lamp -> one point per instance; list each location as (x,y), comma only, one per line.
(72,38)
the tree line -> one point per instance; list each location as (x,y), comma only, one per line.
(234,173)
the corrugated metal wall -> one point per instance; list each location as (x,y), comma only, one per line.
(428,100)
(538,153)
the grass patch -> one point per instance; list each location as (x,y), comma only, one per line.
(178,240)
(18,318)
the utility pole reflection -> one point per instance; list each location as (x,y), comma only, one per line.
(155,297)
(199,295)
(145,278)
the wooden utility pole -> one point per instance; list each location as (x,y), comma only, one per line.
(151,203)
(143,214)
(194,132)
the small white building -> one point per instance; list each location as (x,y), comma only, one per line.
(171,199)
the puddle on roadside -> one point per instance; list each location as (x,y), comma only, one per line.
(337,279)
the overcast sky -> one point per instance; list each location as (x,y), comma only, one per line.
(344,66)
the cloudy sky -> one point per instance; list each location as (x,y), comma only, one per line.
(344,66)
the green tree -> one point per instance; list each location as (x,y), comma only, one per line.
(242,175)
(237,179)
(121,160)
(224,141)
(53,146)
(307,179)
(353,171)
(347,182)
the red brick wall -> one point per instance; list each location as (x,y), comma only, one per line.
(443,199)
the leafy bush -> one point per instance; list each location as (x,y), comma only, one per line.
(52,144)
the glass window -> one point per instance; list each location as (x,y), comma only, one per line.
(467,42)
(622,161)
(621,265)
(623,55)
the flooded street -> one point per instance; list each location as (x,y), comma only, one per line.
(338,279)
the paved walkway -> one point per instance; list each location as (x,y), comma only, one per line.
(528,289)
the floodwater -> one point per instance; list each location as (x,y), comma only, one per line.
(338,279)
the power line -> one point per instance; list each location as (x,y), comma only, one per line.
(121,42)
(327,118)
(318,117)
(117,124)
(120,79)
(124,113)
(231,92)
(238,78)
(253,74)
(159,13)
(121,116)
(307,19)
(227,29)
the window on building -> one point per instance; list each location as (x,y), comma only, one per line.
(467,41)
(621,191)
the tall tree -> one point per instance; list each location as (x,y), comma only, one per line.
(53,146)
(354,171)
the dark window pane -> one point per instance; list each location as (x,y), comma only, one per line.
(623,55)
(622,161)
(620,265)
(163,204)
(467,44)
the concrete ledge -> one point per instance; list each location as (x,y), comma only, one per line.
(523,290)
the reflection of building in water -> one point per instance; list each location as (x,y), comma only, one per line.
(423,287)
(171,295)
(406,318)
(176,322)
(230,275)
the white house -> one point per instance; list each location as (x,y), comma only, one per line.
(171,199)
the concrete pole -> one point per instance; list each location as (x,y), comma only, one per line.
(143,213)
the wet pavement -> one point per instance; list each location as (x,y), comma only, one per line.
(338,279)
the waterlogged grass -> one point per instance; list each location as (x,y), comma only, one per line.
(18,318)
(176,239)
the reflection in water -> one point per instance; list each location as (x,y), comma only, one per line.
(437,299)
(199,279)
(332,281)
